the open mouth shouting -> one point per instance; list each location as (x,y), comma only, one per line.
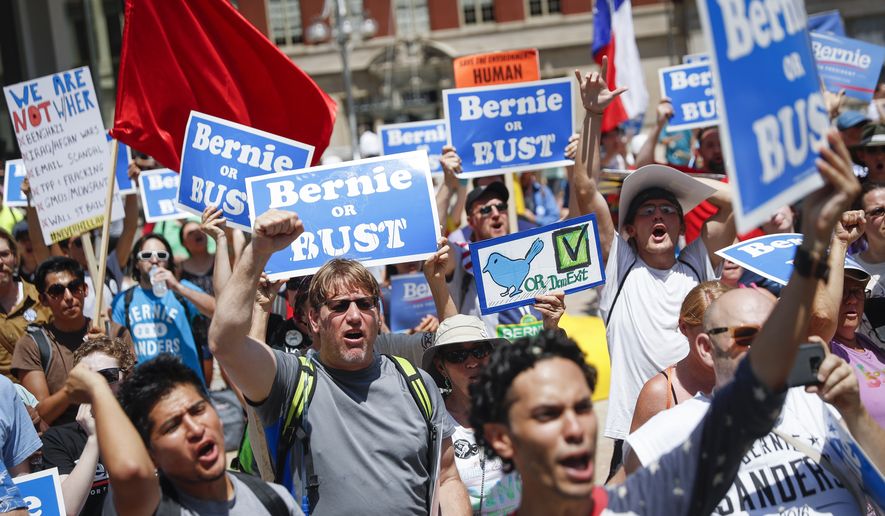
(208,453)
(578,466)
(659,232)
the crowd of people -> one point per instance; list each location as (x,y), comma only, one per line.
(466,413)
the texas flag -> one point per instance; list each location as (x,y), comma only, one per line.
(613,37)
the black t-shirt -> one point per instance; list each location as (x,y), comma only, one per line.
(284,335)
(62,447)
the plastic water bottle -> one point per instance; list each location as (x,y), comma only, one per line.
(157,286)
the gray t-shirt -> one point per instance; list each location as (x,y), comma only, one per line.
(368,438)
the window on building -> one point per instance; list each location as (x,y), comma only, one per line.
(478,11)
(544,7)
(412,18)
(284,21)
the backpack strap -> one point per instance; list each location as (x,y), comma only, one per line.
(417,387)
(690,266)
(268,497)
(127,300)
(618,293)
(38,333)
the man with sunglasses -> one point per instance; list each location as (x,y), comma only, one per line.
(871,152)
(369,443)
(44,356)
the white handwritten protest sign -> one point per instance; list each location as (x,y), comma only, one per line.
(57,123)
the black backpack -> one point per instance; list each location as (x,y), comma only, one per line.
(170,505)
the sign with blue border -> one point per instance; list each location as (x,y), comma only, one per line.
(855,465)
(378,210)
(429,135)
(218,156)
(41,491)
(410,301)
(700,57)
(772,114)
(565,256)
(124,183)
(770,256)
(159,189)
(12,184)
(511,127)
(828,22)
(849,64)
(690,89)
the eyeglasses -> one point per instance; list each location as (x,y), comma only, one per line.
(457,356)
(856,293)
(485,210)
(649,210)
(876,212)
(742,335)
(57,290)
(340,306)
(148,255)
(111,374)
(873,149)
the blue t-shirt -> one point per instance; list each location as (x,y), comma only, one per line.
(18,438)
(10,496)
(160,324)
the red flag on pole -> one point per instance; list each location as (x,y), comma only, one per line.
(203,55)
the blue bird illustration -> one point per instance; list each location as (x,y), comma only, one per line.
(510,273)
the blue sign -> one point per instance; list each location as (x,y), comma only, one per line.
(121,168)
(849,64)
(12,184)
(771,110)
(378,210)
(410,301)
(159,189)
(770,256)
(855,465)
(562,257)
(429,135)
(829,22)
(218,156)
(690,89)
(41,491)
(700,57)
(523,126)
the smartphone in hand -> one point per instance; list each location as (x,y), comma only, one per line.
(807,364)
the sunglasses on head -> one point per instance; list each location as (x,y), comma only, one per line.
(111,374)
(57,290)
(339,306)
(147,255)
(742,335)
(485,210)
(457,356)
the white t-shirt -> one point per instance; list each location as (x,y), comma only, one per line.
(485,478)
(774,477)
(877,286)
(642,330)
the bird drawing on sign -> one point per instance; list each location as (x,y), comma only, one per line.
(510,273)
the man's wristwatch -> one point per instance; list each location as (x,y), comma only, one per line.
(809,267)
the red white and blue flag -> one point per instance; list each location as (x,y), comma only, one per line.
(613,37)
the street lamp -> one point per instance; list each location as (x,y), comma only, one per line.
(349,27)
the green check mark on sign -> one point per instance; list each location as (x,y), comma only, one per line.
(571,248)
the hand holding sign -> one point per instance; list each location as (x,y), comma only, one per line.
(824,207)
(213,223)
(552,307)
(275,230)
(450,161)
(595,94)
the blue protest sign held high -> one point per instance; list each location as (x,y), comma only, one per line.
(849,64)
(772,115)
(159,189)
(378,211)
(690,89)
(429,135)
(410,301)
(829,22)
(770,256)
(523,126)
(700,57)
(121,168)
(41,491)
(218,156)
(12,184)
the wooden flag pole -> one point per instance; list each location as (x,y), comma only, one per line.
(105,234)
(89,251)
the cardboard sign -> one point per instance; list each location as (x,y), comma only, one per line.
(565,256)
(428,135)
(124,184)
(12,184)
(57,123)
(772,115)
(497,68)
(219,155)
(700,57)
(378,210)
(159,189)
(690,89)
(849,64)
(42,492)
(410,301)
(513,127)
(854,464)
(770,256)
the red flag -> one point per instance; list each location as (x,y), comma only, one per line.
(183,55)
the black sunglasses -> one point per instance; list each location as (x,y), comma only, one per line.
(742,335)
(339,306)
(457,356)
(111,374)
(876,212)
(485,210)
(57,290)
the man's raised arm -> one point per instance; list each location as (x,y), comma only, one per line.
(248,362)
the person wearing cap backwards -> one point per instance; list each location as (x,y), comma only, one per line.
(871,152)
(645,282)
